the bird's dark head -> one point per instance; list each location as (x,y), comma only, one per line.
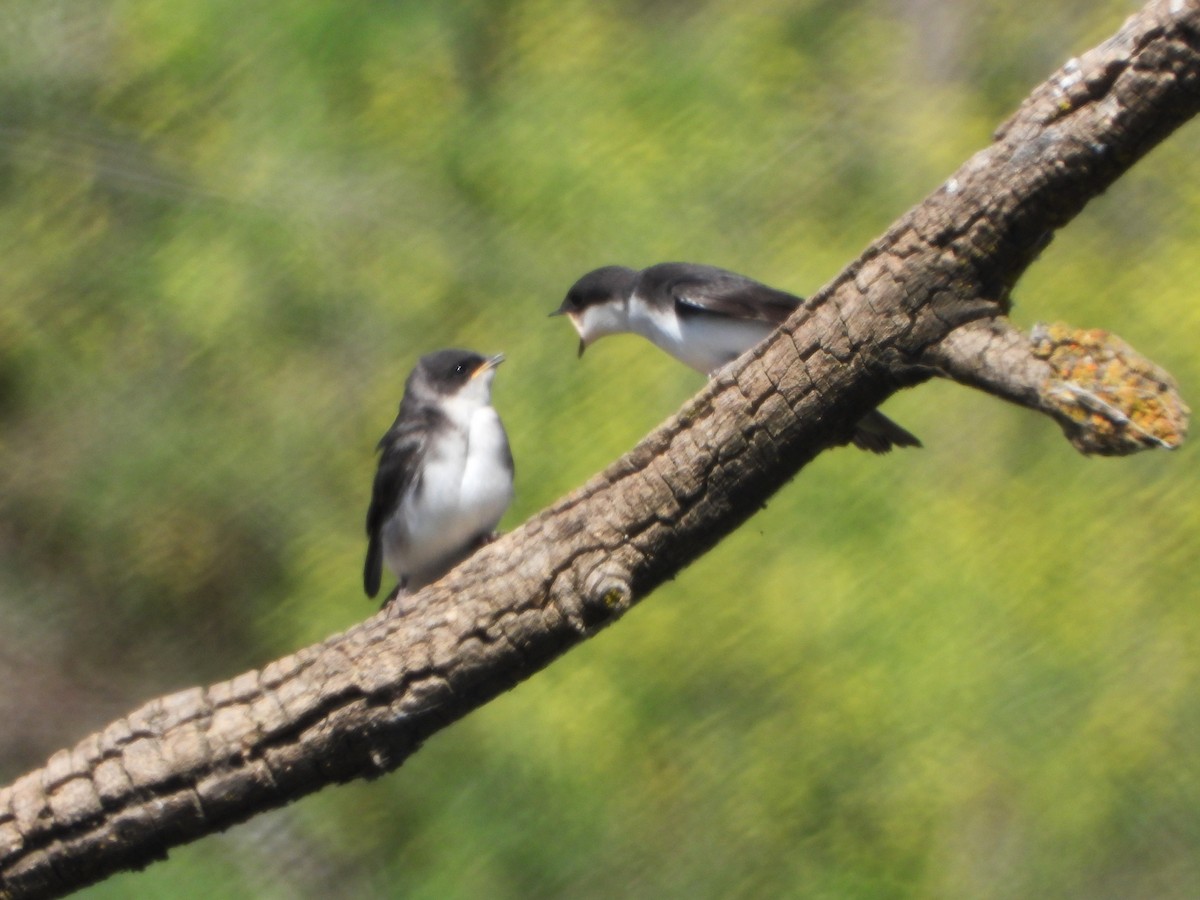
(454,373)
(596,304)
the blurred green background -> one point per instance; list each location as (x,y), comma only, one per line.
(227,232)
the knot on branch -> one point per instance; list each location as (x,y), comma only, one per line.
(1109,399)
(594,593)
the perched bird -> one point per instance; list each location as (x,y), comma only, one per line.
(703,316)
(445,472)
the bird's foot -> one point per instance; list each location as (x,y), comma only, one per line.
(392,601)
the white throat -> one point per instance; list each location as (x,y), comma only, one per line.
(603,319)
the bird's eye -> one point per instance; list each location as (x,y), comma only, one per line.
(460,369)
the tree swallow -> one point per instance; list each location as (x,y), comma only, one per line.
(703,316)
(445,472)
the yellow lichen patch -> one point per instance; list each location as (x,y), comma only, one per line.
(614,598)
(1110,399)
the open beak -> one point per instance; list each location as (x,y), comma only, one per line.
(563,311)
(488,364)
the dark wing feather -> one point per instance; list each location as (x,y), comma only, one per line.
(373,567)
(700,290)
(401,451)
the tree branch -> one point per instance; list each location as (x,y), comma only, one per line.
(1108,398)
(929,297)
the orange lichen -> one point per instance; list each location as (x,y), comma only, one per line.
(1110,399)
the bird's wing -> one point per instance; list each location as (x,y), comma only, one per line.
(706,290)
(373,567)
(401,451)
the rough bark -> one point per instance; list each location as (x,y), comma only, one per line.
(927,298)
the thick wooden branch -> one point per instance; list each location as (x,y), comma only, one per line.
(929,296)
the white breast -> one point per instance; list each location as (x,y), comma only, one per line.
(464,490)
(703,342)
(487,479)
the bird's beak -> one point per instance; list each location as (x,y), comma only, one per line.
(563,311)
(488,364)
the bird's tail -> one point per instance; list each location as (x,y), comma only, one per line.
(879,434)
(373,567)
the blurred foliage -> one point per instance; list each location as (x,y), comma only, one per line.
(229,230)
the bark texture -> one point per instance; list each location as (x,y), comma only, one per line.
(928,298)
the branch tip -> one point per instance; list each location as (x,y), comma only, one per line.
(1110,399)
